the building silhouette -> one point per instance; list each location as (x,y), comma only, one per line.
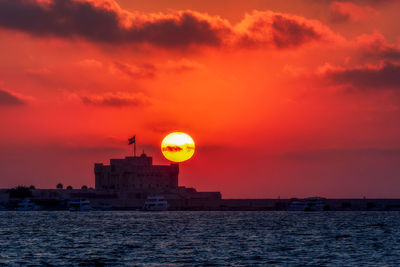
(136,174)
(133,179)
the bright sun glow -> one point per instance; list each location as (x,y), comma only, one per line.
(177,147)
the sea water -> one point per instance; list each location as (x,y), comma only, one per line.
(190,238)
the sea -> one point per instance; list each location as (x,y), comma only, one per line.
(199,238)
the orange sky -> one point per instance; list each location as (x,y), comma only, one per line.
(283,98)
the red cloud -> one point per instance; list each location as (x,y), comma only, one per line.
(375,46)
(289,32)
(345,11)
(279,30)
(142,71)
(106,22)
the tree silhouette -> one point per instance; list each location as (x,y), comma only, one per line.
(60,186)
(20,192)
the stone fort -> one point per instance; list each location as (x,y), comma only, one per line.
(136,174)
(137,178)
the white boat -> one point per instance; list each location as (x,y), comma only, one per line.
(80,205)
(307,204)
(28,205)
(155,203)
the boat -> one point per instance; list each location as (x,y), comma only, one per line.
(28,205)
(80,205)
(307,204)
(155,203)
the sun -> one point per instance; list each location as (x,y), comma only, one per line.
(177,147)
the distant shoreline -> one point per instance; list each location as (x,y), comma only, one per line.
(59,199)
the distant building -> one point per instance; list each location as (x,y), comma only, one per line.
(136,174)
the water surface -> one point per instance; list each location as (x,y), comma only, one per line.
(200,238)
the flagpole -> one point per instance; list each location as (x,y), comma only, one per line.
(133,141)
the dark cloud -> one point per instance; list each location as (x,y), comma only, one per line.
(290,33)
(8,99)
(390,54)
(112,25)
(375,46)
(186,30)
(69,18)
(113,101)
(172,148)
(60,18)
(385,77)
(383,53)
(278,30)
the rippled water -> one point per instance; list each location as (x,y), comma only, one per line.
(200,238)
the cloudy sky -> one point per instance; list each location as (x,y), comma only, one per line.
(283,98)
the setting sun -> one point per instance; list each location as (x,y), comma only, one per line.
(177,147)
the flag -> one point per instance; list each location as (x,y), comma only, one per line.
(132,140)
